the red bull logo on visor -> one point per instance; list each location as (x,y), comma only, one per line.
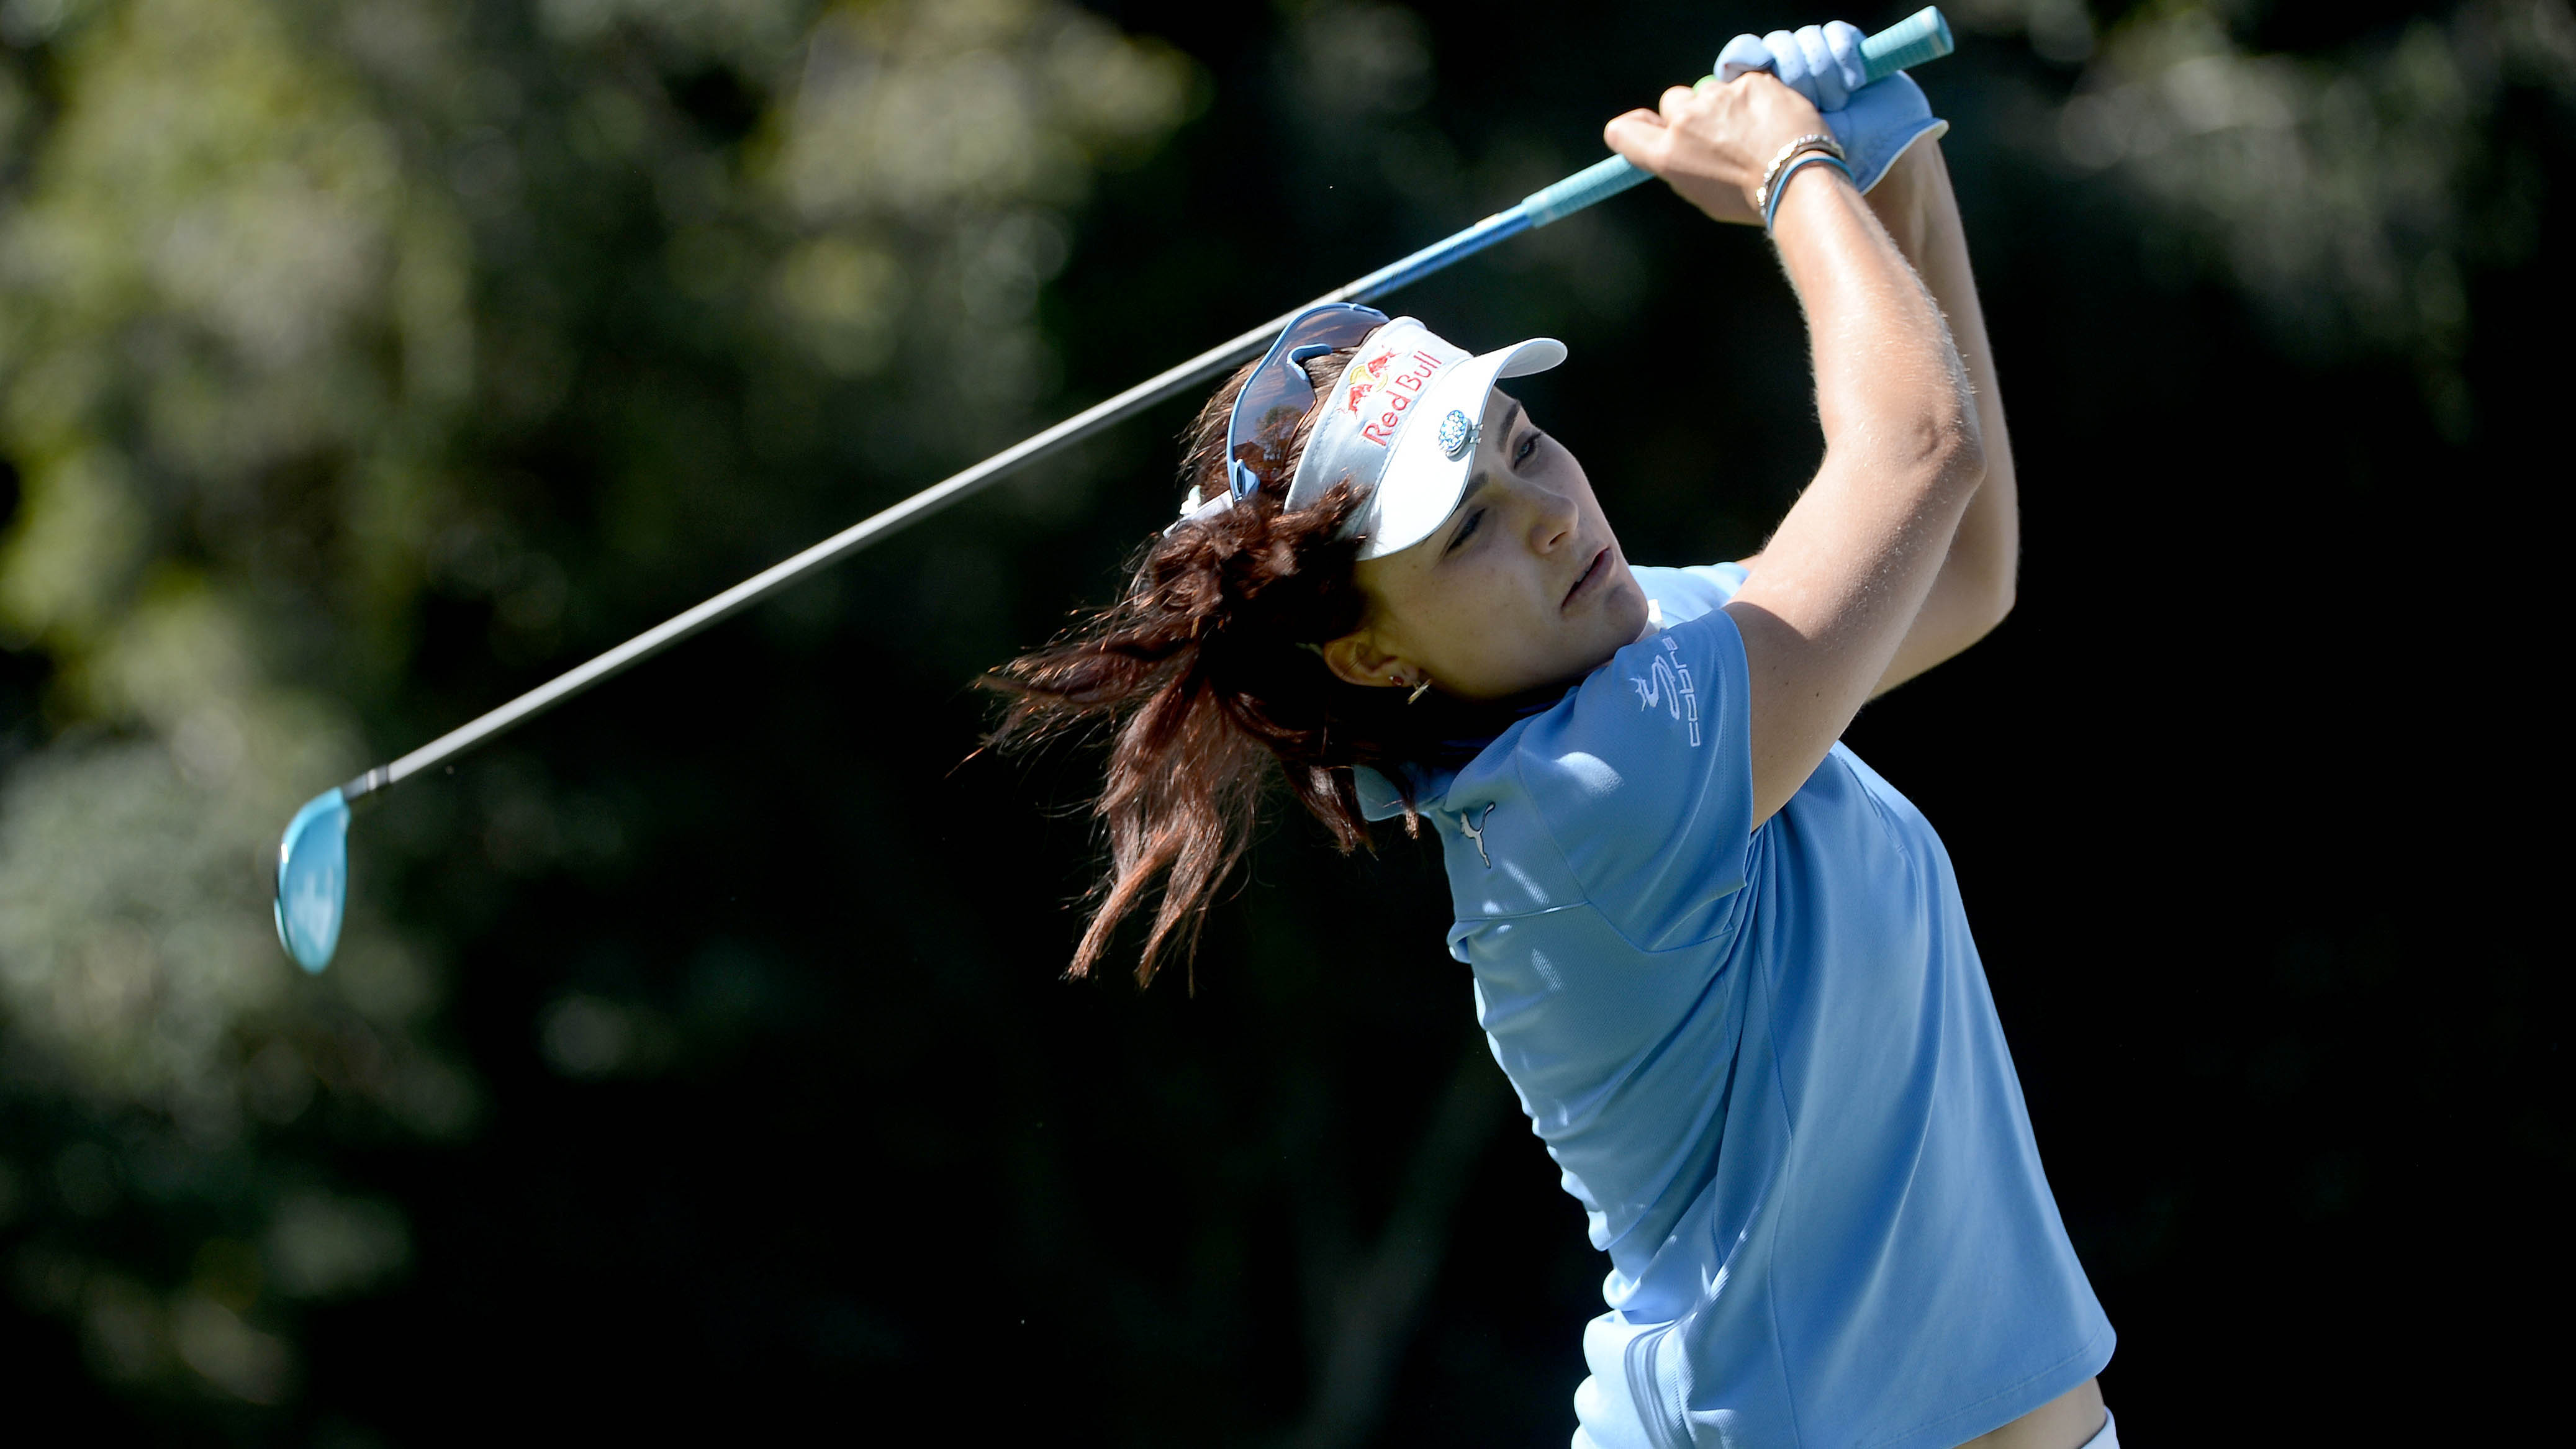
(1363,379)
(1387,386)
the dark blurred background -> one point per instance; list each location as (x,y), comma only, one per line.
(698,1057)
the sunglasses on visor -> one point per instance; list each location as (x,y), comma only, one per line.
(1278,394)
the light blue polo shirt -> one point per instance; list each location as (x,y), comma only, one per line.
(1766,1060)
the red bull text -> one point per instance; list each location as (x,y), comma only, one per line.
(1370,384)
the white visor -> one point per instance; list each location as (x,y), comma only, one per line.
(1402,423)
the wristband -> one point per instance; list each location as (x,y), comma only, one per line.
(1771,207)
(1766,195)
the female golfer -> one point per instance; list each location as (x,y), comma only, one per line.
(1723,962)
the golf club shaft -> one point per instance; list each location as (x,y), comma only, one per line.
(1920,37)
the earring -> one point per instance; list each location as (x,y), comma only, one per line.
(1419,690)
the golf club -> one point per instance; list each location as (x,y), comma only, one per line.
(312,859)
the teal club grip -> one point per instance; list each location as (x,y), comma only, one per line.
(1597,182)
(1921,36)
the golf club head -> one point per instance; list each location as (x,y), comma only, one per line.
(313,880)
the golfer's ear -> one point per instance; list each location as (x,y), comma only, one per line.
(1357,659)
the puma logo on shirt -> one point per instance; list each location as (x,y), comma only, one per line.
(1475,831)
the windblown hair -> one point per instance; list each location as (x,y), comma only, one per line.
(1206,670)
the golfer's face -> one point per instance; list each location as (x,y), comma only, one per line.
(1522,586)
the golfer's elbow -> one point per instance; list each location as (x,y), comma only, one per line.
(1959,453)
(1987,546)
(1944,459)
(1982,569)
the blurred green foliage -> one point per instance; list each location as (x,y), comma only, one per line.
(363,363)
(297,302)
(2349,194)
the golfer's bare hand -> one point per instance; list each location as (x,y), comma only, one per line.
(1711,142)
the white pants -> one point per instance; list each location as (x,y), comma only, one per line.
(1625,1363)
(2109,1438)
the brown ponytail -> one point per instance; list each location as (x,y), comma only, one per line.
(1205,668)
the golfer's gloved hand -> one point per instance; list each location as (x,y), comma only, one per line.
(1875,122)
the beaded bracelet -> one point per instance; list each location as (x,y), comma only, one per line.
(1812,158)
(1768,193)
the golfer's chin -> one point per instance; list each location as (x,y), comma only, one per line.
(1615,618)
(1611,620)
(1627,617)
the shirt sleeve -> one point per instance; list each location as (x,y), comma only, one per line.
(1644,777)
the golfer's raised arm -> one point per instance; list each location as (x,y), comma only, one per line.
(1848,571)
(1978,579)
(1976,585)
